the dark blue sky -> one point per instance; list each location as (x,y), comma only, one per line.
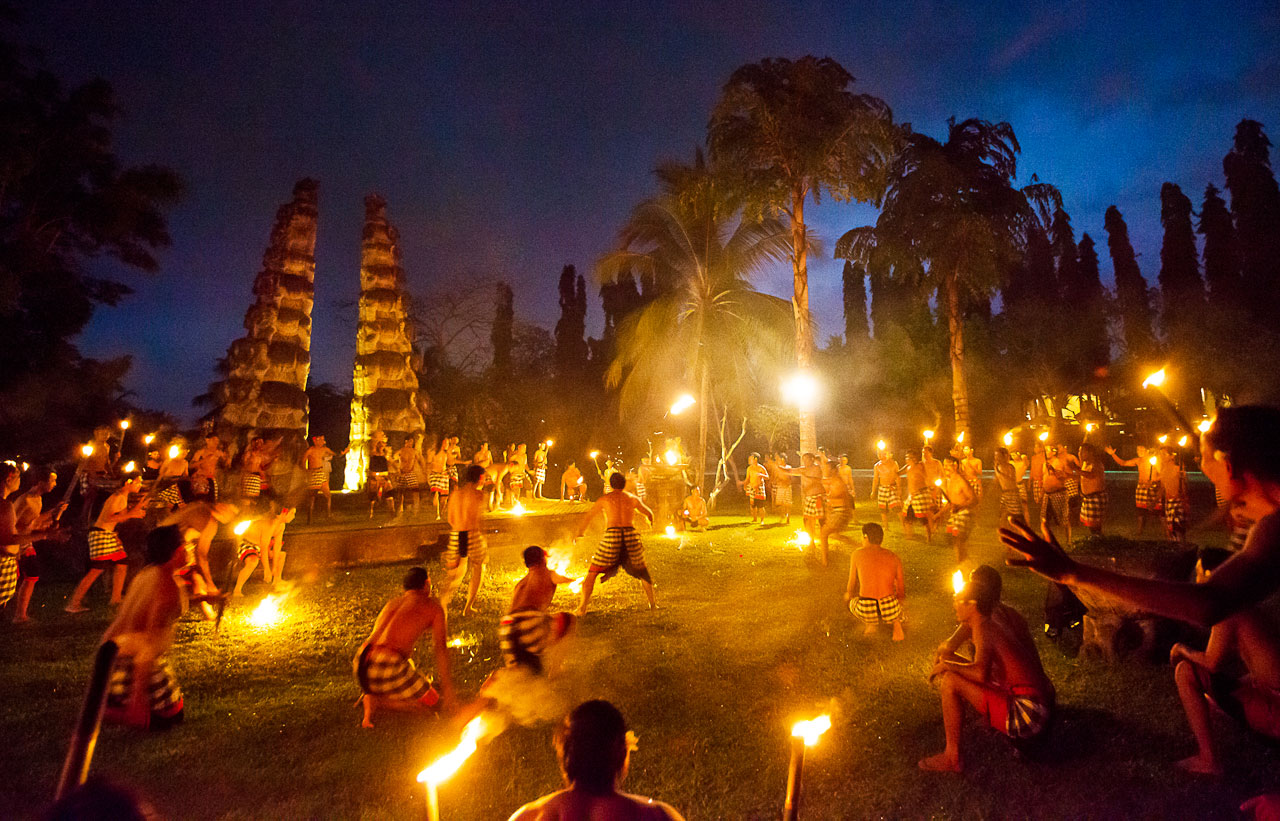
(512,138)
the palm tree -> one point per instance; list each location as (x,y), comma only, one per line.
(789,130)
(952,216)
(708,327)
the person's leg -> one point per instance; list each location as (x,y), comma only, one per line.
(1196,706)
(477,574)
(648,594)
(250,564)
(956,691)
(453,580)
(76,605)
(118,574)
(588,584)
(25,589)
(898,635)
(277,567)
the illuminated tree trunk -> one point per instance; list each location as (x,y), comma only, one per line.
(704,384)
(804,320)
(959,387)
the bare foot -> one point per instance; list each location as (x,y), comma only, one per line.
(940,763)
(1199,766)
(581,611)
(470,611)
(898,635)
(869,630)
(76,609)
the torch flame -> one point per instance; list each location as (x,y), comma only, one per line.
(1182,442)
(928,434)
(882,445)
(124,424)
(86,451)
(129,466)
(1090,427)
(593,454)
(267,613)
(957,581)
(1162,438)
(1044,436)
(1008,439)
(446,765)
(811,730)
(960,437)
(518,509)
(1204,425)
(1153,461)
(938,482)
(174,450)
(1154,380)
(242,526)
(550,442)
(670,531)
(802,539)
(672,457)
(682,404)
(148,439)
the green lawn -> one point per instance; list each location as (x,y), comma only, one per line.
(750,637)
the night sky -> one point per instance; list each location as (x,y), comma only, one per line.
(512,138)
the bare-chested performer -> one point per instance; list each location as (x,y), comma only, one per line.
(253,471)
(203,519)
(539,470)
(783,494)
(644,474)
(1007,481)
(920,497)
(383,665)
(846,474)
(143,691)
(32,523)
(1093,489)
(10,540)
(1055,507)
(972,467)
(515,479)
(529,629)
(932,473)
(438,477)
(1039,457)
(884,488)
(812,490)
(263,543)
(467,550)
(167,493)
(1004,683)
(1021,464)
(755,487)
(960,499)
(105,548)
(1147,497)
(1177,501)
(455,461)
(693,513)
(483,457)
(839,510)
(205,464)
(1002,614)
(495,479)
(378,481)
(876,589)
(317,461)
(408,466)
(96,476)
(572,483)
(621,546)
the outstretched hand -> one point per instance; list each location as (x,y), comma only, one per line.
(1044,557)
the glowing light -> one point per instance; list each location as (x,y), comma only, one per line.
(957,581)
(1090,427)
(882,445)
(174,450)
(26,466)
(124,424)
(1008,439)
(148,439)
(811,730)
(86,451)
(550,442)
(1044,436)
(581,481)
(800,389)
(518,509)
(928,435)
(1153,461)
(960,437)
(1162,438)
(1154,380)
(672,457)
(1204,425)
(129,467)
(802,539)
(446,765)
(267,613)
(670,530)
(593,454)
(1182,442)
(682,404)
(938,482)
(242,526)
(463,640)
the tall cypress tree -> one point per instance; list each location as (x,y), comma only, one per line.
(1066,264)
(504,316)
(1255,205)
(1092,307)
(1181,290)
(854,280)
(1131,289)
(1221,256)
(571,328)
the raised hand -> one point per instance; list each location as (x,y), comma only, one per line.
(1044,557)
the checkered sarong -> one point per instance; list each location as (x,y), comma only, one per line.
(640,489)
(877,611)
(783,495)
(516,480)
(1054,508)
(105,546)
(407,481)
(1024,492)
(1073,486)
(169,497)
(620,548)
(1027,714)
(1037,491)
(756,493)
(317,478)
(1010,503)
(1175,514)
(453,472)
(540,474)
(922,504)
(384,671)
(251,485)
(465,544)
(163,692)
(813,506)
(439,482)
(248,549)
(8,578)
(960,523)
(1148,496)
(204,486)
(887,497)
(1093,509)
(525,635)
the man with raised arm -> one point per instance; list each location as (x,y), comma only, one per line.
(621,546)
(32,524)
(105,548)
(467,549)
(1146,496)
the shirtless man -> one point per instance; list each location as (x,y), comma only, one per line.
(105,549)
(1146,497)
(920,503)
(467,549)
(167,493)
(1007,481)
(884,488)
(1021,464)
(876,588)
(839,510)
(253,467)
(378,483)
(1004,683)
(317,461)
(263,543)
(811,489)
(959,498)
(783,495)
(972,467)
(620,547)
(846,475)
(1093,489)
(693,514)
(572,485)
(932,473)
(438,477)
(529,630)
(495,479)
(10,540)
(32,524)
(645,472)
(540,470)
(454,461)
(383,665)
(1177,503)
(204,519)
(515,479)
(143,691)
(408,462)
(1038,459)
(205,464)
(1055,509)
(95,470)
(754,486)
(1002,614)
(483,457)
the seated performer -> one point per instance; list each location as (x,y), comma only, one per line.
(594,750)
(1247,639)
(876,588)
(528,630)
(1004,684)
(1002,614)
(263,543)
(693,513)
(621,546)
(105,547)
(143,691)
(383,665)
(467,549)
(572,484)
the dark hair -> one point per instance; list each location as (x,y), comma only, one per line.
(534,556)
(1250,437)
(416,578)
(617,481)
(982,593)
(162,543)
(591,744)
(6,469)
(1002,451)
(988,576)
(1211,557)
(873,532)
(474,474)
(949,458)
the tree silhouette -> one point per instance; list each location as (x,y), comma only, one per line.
(504,316)
(571,328)
(1132,294)
(1221,254)
(1255,205)
(854,281)
(1181,289)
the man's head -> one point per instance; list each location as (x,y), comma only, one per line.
(753,459)
(416,579)
(978,594)
(1242,448)
(1002,455)
(989,577)
(591,744)
(47,480)
(163,545)
(966,451)
(926,452)
(474,474)
(810,459)
(872,533)
(132,483)
(211,441)
(318,440)
(911,458)
(950,464)
(617,481)
(1208,559)
(844,460)
(534,556)
(10,478)
(696,492)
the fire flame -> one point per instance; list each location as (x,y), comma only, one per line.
(881,444)
(957,581)
(463,640)
(129,466)
(1204,425)
(267,613)
(1044,436)
(682,404)
(1090,427)
(1008,439)
(446,765)
(672,457)
(670,531)
(594,454)
(559,562)
(1162,438)
(928,435)
(148,439)
(518,509)
(87,451)
(938,482)
(960,437)
(174,450)
(802,539)
(1154,380)
(550,442)
(811,730)
(1153,461)
(242,526)
(1182,442)
(124,424)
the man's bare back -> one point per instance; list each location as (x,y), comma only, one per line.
(404,618)
(466,506)
(570,805)
(536,590)
(619,509)
(876,573)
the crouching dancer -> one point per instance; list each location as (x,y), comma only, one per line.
(383,667)
(1004,683)
(876,588)
(529,630)
(620,547)
(143,691)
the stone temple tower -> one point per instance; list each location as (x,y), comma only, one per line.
(386,386)
(266,386)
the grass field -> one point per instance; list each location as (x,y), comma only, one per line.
(750,636)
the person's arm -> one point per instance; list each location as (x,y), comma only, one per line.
(947,650)
(979,670)
(1241,582)
(1128,463)
(644,510)
(902,584)
(1222,641)
(852,587)
(441,647)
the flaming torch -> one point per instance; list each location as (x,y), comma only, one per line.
(957,582)
(148,439)
(1044,436)
(443,768)
(1156,380)
(518,509)
(670,531)
(928,436)
(803,734)
(1204,425)
(1008,439)
(881,445)
(802,540)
